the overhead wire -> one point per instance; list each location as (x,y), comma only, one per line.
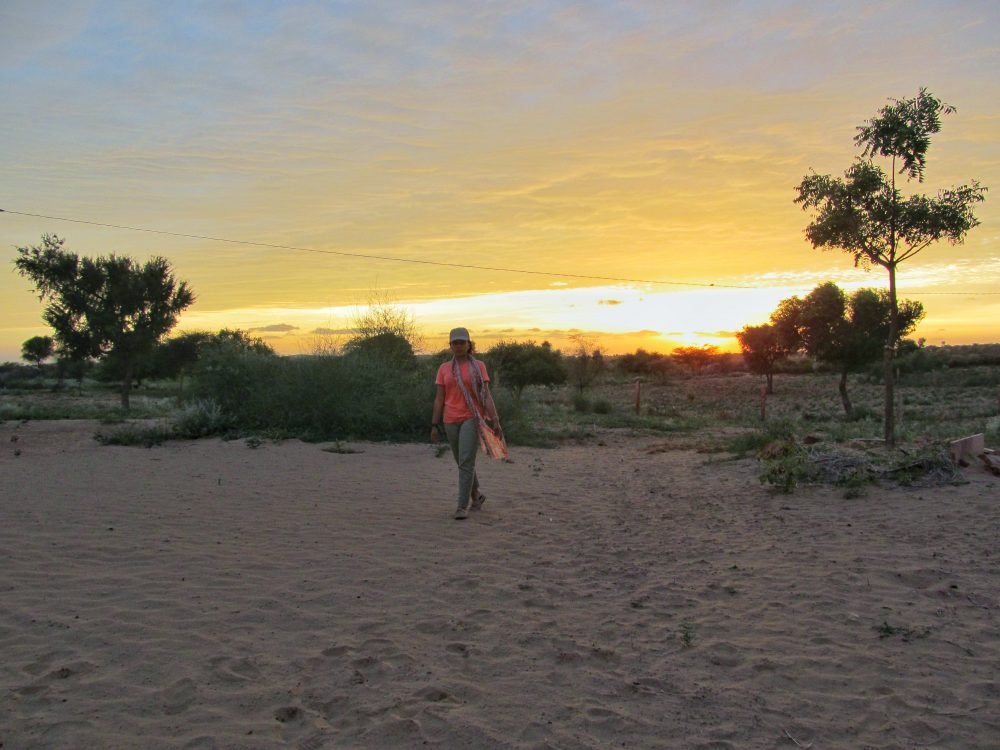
(421,261)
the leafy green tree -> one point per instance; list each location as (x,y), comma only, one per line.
(386,333)
(385,348)
(848,333)
(763,349)
(235,338)
(866,214)
(383,316)
(695,358)
(642,362)
(108,305)
(178,356)
(516,365)
(37,349)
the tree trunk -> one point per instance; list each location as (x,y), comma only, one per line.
(887,374)
(60,375)
(844,398)
(127,384)
(770,383)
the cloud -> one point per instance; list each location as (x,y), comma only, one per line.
(29,28)
(332,331)
(276,328)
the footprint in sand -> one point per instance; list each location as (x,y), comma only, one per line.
(234,671)
(724,655)
(433,695)
(178,697)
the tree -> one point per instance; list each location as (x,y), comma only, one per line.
(867,216)
(517,365)
(383,316)
(37,349)
(763,349)
(382,348)
(105,306)
(642,362)
(235,338)
(847,332)
(586,363)
(386,333)
(695,358)
(178,356)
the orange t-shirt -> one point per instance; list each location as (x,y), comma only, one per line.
(455,408)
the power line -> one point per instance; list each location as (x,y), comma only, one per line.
(470,266)
(393,259)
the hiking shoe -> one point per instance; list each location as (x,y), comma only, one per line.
(478,502)
(461,514)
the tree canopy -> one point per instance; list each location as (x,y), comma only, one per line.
(105,306)
(516,365)
(845,332)
(695,358)
(37,349)
(867,216)
(763,348)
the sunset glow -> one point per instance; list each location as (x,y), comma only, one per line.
(651,142)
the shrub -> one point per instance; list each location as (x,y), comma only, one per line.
(200,419)
(786,468)
(317,398)
(602,406)
(775,431)
(135,434)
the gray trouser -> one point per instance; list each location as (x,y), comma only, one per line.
(463,437)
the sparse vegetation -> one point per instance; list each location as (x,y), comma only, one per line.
(687,634)
(238,392)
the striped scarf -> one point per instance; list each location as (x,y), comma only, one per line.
(478,385)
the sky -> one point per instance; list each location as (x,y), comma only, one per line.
(653,147)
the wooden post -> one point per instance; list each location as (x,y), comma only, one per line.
(763,403)
(638,396)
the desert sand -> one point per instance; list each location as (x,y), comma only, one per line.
(210,594)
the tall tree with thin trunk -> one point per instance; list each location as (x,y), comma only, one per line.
(866,214)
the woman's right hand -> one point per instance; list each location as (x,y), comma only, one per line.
(434,435)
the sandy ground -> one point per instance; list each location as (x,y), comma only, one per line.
(212,595)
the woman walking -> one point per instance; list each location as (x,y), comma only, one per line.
(463,399)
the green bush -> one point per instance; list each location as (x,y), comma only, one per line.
(776,430)
(319,398)
(200,419)
(581,403)
(135,434)
(602,406)
(787,469)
